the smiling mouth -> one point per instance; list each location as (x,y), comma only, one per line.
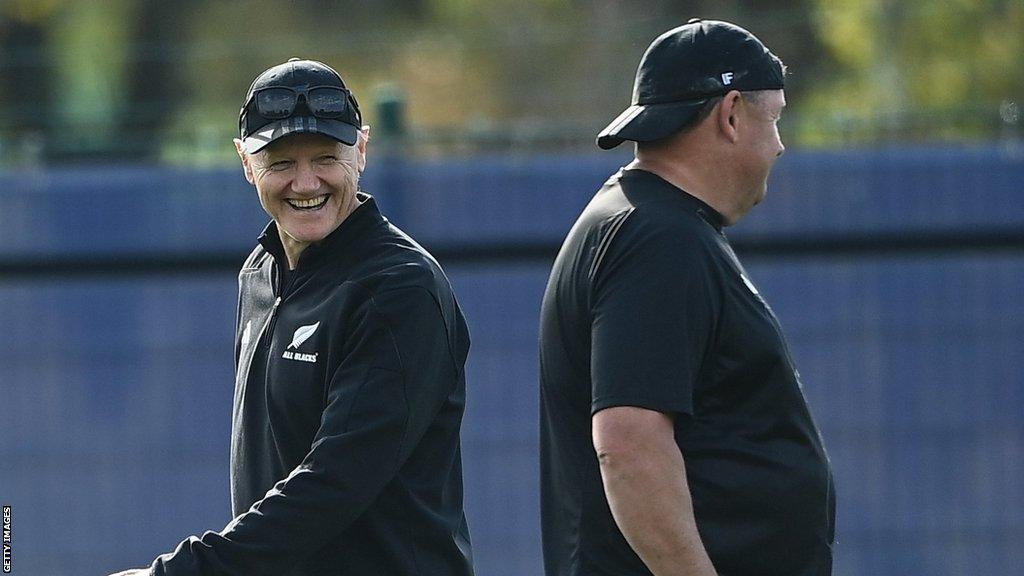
(308,204)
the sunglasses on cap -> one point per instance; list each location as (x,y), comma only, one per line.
(278,102)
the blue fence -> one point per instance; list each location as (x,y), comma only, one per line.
(115,389)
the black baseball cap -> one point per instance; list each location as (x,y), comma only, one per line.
(298,77)
(683,69)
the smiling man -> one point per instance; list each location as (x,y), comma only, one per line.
(350,354)
(675,439)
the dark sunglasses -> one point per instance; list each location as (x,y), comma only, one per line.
(280,102)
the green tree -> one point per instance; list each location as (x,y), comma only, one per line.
(923,69)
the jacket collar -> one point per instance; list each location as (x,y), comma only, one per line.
(365,217)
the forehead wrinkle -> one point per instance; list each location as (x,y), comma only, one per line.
(767,103)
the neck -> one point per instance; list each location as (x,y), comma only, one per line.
(292,248)
(699,173)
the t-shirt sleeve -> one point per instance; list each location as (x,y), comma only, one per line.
(654,307)
(397,373)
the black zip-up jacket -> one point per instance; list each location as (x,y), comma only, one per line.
(349,394)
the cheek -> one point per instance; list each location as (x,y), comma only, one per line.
(345,177)
(266,189)
(264,201)
(769,144)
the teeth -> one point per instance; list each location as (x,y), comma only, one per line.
(310,203)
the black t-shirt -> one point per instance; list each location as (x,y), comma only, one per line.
(648,306)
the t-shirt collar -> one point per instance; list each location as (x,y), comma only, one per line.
(702,208)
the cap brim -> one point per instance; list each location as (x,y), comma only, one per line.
(340,131)
(647,122)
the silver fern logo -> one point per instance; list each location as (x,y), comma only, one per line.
(302,334)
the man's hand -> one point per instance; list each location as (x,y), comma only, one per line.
(645,483)
(133,572)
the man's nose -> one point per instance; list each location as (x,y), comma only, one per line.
(306,178)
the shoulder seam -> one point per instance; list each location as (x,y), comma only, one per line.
(617,221)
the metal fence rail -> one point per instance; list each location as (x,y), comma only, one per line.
(896,274)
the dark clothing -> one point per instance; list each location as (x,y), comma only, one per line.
(349,395)
(648,306)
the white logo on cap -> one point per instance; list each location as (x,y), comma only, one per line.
(727,78)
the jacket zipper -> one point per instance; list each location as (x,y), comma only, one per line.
(259,337)
(268,326)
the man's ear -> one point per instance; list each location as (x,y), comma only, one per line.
(246,167)
(361,142)
(728,118)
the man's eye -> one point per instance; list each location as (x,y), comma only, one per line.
(281,165)
(327,159)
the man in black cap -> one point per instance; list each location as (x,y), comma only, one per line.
(350,348)
(675,438)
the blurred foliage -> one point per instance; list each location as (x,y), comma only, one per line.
(927,68)
(150,80)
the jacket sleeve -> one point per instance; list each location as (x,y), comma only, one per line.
(396,372)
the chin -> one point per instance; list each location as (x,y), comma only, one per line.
(310,235)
